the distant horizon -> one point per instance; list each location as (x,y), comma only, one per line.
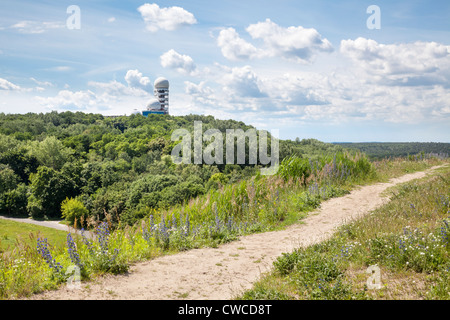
(389,142)
(336,71)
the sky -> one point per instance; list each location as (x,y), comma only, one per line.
(336,71)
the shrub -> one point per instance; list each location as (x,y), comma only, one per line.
(73,209)
(294,167)
(14,202)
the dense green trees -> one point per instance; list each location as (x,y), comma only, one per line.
(115,166)
(48,188)
(120,166)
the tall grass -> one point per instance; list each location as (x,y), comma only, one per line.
(408,239)
(257,204)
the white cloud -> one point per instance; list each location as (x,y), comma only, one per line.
(37,27)
(111,19)
(106,98)
(6,85)
(169,18)
(242,82)
(115,89)
(182,63)
(135,79)
(234,47)
(336,97)
(200,94)
(197,89)
(137,86)
(42,83)
(404,64)
(79,100)
(302,89)
(111,97)
(294,43)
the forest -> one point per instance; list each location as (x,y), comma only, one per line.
(71,165)
(381,150)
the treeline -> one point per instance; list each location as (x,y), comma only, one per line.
(115,166)
(382,150)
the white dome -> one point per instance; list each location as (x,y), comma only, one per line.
(161,83)
(153,104)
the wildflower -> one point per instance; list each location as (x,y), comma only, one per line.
(102,233)
(187,231)
(72,249)
(87,242)
(44,251)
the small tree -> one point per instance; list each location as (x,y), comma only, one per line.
(72,209)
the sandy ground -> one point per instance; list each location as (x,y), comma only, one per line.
(224,272)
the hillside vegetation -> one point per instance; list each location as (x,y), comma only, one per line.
(116,176)
(119,166)
(406,241)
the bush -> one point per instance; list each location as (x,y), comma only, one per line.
(294,167)
(14,202)
(73,209)
(34,207)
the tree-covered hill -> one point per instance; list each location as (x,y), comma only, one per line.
(380,150)
(115,165)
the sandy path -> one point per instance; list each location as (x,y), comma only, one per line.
(221,273)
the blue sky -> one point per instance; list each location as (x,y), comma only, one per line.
(311,69)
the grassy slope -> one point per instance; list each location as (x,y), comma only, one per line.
(135,247)
(12,233)
(408,239)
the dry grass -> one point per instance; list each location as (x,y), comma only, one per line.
(399,285)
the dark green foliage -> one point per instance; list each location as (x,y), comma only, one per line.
(20,161)
(295,167)
(117,166)
(48,188)
(14,201)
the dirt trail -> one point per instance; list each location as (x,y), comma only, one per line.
(222,273)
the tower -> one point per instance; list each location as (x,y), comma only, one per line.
(161,91)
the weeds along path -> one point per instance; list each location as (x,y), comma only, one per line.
(222,273)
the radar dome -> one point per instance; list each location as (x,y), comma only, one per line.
(161,83)
(153,104)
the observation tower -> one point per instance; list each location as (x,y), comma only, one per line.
(160,103)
